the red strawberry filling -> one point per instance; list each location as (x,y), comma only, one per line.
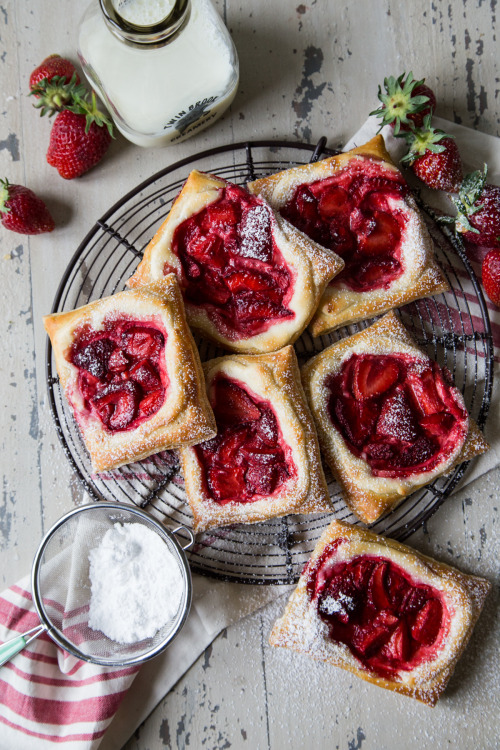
(248,458)
(388,620)
(401,415)
(350,213)
(231,265)
(121,377)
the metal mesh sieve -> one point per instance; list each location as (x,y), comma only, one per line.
(62,592)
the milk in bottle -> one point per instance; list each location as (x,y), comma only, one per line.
(165,69)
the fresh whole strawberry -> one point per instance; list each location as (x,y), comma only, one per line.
(81,134)
(75,147)
(22,211)
(434,157)
(405,103)
(478,210)
(53,65)
(491,275)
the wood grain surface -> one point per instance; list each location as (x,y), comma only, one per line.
(307,70)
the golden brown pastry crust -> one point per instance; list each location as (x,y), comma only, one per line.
(368,496)
(275,378)
(339,305)
(185,417)
(312,265)
(301,629)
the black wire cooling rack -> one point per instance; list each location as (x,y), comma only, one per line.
(449,327)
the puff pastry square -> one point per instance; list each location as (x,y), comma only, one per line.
(389,419)
(250,281)
(265,460)
(131,373)
(358,205)
(382,611)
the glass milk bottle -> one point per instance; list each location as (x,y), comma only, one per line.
(165,69)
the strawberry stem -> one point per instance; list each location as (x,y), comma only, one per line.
(422,140)
(467,199)
(398,101)
(57,95)
(4,196)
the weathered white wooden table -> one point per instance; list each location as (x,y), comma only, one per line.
(306,70)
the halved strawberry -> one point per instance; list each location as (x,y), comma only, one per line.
(374,376)
(413,600)
(398,647)
(261,480)
(306,203)
(357,418)
(209,288)
(208,249)
(340,600)
(151,403)
(146,375)
(418,453)
(94,356)
(143,343)
(333,201)
(230,447)
(386,619)
(267,428)
(233,405)
(381,234)
(438,424)
(226,484)
(361,573)
(375,272)
(118,362)
(423,388)
(257,307)
(342,240)
(427,623)
(117,405)
(376,592)
(252,280)
(369,639)
(380,454)
(220,215)
(87,384)
(397,419)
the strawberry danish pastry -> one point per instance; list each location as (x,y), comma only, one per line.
(389,418)
(382,611)
(131,373)
(264,461)
(358,205)
(250,280)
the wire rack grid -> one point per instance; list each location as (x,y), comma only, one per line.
(273,552)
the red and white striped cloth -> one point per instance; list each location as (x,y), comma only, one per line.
(48,696)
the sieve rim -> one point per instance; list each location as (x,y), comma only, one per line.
(54,632)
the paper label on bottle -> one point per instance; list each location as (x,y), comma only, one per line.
(195,116)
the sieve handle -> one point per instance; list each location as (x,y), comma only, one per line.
(188,532)
(15,645)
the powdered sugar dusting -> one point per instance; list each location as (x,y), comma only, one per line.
(255,230)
